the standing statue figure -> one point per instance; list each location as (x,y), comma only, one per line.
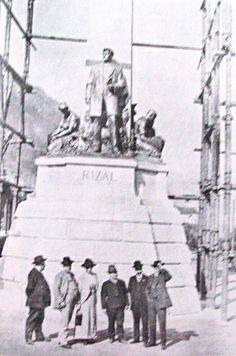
(106,96)
(61,140)
(147,142)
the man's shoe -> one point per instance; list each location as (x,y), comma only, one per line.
(65,346)
(163,347)
(135,341)
(29,342)
(40,339)
(89,342)
(112,339)
(121,340)
(148,344)
(97,149)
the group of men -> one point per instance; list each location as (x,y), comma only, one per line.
(146,296)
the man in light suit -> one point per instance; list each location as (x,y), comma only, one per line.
(66,296)
(158,301)
(137,290)
(106,96)
(38,298)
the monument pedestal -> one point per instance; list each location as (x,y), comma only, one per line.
(108,209)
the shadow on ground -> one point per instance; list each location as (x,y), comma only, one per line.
(173,336)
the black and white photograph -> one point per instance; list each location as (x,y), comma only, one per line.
(117,177)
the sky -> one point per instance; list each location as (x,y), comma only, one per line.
(163,79)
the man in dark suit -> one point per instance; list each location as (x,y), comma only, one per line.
(158,301)
(137,289)
(38,298)
(114,300)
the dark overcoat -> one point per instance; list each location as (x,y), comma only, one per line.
(114,295)
(37,290)
(157,291)
(138,292)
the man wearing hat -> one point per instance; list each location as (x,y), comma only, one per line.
(106,96)
(158,301)
(38,298)
(137,290)
(114,300)
(66,296)
(88,286)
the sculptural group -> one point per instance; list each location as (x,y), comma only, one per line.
(103,129)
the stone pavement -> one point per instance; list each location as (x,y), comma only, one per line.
(194,335)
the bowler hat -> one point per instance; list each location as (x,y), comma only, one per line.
(63,106)
(137,265)
(38,260)
(155,263)
(88,263)
(66,261)
(112,269)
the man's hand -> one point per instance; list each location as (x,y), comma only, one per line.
(104,311)
(111,88)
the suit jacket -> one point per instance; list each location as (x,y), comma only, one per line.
(156,289)
(97,89)
(114,295)
(65,289)
(137,291)
(37,290)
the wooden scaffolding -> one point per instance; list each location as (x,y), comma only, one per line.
(10,189)
(214,243)
(8,75)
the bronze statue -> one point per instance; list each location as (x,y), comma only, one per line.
(66,133)
(147,142)
(106,97)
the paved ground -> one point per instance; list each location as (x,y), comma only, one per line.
(195,335)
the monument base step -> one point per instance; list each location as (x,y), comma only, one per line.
(100,208)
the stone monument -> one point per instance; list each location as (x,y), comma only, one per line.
(111,208)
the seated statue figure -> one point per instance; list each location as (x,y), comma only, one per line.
(61,140)
(147,142)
